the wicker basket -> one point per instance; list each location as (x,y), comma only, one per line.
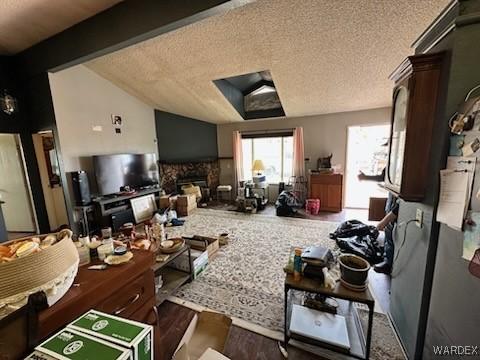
(51,270)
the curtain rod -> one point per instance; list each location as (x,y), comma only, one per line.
(266,131)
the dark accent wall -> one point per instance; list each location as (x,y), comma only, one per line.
(454,317)
(19,123)
(182,139)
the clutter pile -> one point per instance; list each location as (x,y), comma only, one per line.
(287,204)
(251,195)
(357,238)
(183,205)
(315,262)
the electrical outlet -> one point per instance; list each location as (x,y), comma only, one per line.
(419,218)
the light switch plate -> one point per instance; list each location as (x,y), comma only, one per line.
(419,218)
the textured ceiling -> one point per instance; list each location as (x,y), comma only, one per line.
(325,56)
(24,23)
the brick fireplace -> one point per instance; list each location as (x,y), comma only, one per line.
(196,172)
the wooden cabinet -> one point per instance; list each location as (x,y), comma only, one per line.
(127,291)
(131,298)
(415,96)
(329,189)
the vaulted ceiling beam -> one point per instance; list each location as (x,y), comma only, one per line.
(125,24)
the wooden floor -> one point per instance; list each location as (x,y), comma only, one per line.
(241,344)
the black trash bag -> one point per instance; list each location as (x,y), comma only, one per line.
(351,228)
(357,238)
(364,246)
(286,203)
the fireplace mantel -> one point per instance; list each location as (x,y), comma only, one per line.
(170,172)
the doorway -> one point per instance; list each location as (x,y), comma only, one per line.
(48,166)
(17,212)
(367,153)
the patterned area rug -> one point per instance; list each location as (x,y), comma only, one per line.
(245,279)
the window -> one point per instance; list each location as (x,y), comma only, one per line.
(276,154)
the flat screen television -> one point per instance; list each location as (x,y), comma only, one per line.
(115,171)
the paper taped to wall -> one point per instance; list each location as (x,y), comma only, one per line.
(453,196)
(459,163)
(456,183)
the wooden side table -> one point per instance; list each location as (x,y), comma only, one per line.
(172,278)
(359,346)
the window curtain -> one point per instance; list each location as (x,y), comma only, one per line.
(298,153)
(237,159)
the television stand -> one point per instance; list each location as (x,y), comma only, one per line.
(117,210)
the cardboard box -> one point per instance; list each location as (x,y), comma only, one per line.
(186,204)
(182,212)
(207,330)
(37,355)
(211,354)
(203,243)
(199,262)
(133,335)
(168,201)
(69,344)
(187,200)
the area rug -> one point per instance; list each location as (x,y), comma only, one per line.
(245,279)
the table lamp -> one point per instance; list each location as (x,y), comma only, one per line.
(258,167)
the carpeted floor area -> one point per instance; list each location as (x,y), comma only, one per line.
(245,280)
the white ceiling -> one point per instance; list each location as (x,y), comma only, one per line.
(24,23)
(325,56)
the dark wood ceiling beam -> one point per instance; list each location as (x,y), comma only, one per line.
(122,25)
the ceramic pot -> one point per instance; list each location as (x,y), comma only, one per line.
(353,269)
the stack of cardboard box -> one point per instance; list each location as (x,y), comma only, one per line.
(186,204)
(168,201)
(96,335)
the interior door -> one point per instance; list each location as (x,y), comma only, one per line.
(14,191)
(47,161)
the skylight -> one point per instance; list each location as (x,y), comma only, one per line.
(253,95)
(263,90)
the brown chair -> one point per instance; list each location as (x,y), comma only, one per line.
(18,330)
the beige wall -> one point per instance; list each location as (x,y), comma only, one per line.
(81,100)
(323,134)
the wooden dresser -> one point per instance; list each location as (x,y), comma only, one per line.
(328,188)
(126,290)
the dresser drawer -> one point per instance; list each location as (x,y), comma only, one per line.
(333,179)
(147,313)
(130,297)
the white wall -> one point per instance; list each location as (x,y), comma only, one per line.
(14,190)
(82,100)
(323,134)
